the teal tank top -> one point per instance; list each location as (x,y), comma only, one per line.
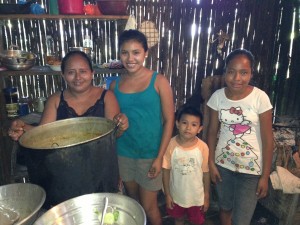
(143,109)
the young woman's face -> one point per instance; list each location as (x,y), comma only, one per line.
(132,55)
(78,74)
(188,126)
(238,74)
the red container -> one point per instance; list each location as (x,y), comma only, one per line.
(113,7)
(70,7)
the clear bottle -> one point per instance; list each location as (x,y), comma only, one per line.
(87,42)
(50,54)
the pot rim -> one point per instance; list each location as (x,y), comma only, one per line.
(64,123)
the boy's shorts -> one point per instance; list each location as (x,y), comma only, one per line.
(237,192)
(195,214)
(137,170)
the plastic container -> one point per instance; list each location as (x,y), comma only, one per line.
(53,7)
(113,7)
(72,7)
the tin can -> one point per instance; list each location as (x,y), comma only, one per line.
(12,110)
(11,100)
(23,109)
(24,106)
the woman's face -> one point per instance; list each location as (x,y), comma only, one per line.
(78,74)
(238,74)
(132,55)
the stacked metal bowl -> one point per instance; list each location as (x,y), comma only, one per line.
(20,203)
(17,59)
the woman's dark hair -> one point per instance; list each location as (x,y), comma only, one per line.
(237,52)
(189,110)
(72,53)
(135,35)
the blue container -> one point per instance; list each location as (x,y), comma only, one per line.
(108,80)
(23,109)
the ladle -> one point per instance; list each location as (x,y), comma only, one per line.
(104,210)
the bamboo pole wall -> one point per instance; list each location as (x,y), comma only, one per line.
(186,52)
(187,49)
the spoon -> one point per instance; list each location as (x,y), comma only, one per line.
(104,210)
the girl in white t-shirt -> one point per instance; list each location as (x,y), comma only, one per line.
(240,158)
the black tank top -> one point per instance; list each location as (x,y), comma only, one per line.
(65,112)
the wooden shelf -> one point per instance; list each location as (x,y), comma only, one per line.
(61,17)
(45,70)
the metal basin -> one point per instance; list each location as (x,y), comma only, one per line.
(81,211)
(17,59)
(20,202)
(72,157)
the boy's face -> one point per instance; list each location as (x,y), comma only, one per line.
(188,126)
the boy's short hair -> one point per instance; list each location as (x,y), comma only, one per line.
(189,110)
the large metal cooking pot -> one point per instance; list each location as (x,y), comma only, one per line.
(81,210)
(72,157)
(20,203)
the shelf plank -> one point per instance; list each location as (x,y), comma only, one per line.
(61,17)
(45,70)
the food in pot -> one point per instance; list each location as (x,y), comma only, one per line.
(110,217)
(64,140)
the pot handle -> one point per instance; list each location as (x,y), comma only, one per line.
(14,47)
(117,127)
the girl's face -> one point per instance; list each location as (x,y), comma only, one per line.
(132,55)
(78,74)
(188,127)
(238,74)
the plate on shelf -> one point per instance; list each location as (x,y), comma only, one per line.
(55,67)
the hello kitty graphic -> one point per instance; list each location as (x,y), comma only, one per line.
(234,119)
(237,152)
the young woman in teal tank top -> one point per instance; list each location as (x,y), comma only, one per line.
(147,99)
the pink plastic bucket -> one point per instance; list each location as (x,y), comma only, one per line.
(70,7)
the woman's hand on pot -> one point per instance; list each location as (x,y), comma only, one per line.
(122,122)
(17,128)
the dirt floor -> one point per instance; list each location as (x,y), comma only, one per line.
(261,215)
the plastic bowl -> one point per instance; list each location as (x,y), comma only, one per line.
(113,7)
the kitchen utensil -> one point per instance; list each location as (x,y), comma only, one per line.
(22,200)
(81,210)
(72,157)
(104,210)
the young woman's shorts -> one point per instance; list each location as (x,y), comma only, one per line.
(237,192)
(137,170)
(195,214)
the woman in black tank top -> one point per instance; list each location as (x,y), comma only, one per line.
(79,99)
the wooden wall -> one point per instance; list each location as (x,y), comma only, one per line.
(186,53)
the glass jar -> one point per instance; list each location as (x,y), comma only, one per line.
(11,100)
